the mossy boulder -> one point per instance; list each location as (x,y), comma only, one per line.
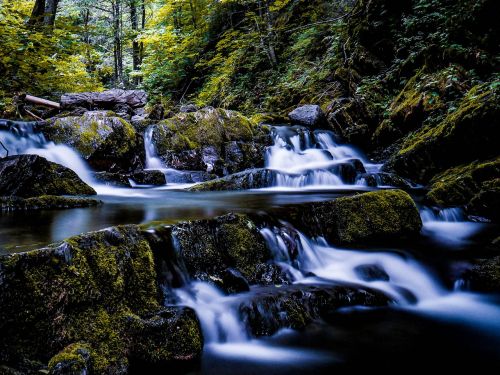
(211,139)
(209,247)
(270,309)
(45,202)
(82,290)
(475,185)
(106,141)
(362,218)
(72,360)
(466,134)
(484,276)
(31,175)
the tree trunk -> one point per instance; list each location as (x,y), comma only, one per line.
(136,49)
(37,13)
(117,41)
(44,13)
(50,12)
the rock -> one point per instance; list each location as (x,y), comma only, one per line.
(485,276)
(249,179)
(270,309)
(188,108)
(172,334)
(467,134)
(112,179)
(371,272)
(155,178)
(105,100)
(475,185)
(31,175)
(157,113)
(362,218)
(386,179)
(209,247)
(203,140)
(234,282)
(80,291)
(107,142)
(72,360)
(309,115)
(45,202)
(348,170)
(188,177)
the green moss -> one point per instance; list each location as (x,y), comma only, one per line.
(74,359)
(207,127)
(45,202)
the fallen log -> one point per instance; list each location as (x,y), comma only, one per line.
(39,101)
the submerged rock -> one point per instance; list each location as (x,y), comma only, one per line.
(45,202)
(362,218)
(31,175)
(309,115)
(106,142)
(270,309)
(87,289)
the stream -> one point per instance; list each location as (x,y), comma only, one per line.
(433,315)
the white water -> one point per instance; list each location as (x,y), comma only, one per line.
(152,159)
(306,159)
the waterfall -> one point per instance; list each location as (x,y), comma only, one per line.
(305,158)
(23,138)
(152,159)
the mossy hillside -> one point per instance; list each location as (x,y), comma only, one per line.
(466,134)
(458,185)
(81,290)
(207,127)
(362,218)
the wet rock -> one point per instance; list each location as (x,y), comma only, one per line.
(31,175)
(157,113)
(155,178)
(234,282)
(485,275)
(380,215)
(45,202)
(209,247)
(188,177)
(371,272)
(107,142)
(79,290)
(172,334)
(250,179)
(309,115)
(270,309)
(386,179)
(112,179)
(349,170)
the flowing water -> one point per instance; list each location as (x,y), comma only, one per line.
(432,316)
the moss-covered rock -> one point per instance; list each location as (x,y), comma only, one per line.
(83,290)
(363,218)
(249,179)
(211,139)
(485,275)
(107,142)
(295,306)
(75,359)
(31,175)
(466,134)
(475,185)
(45,202)
(209,247)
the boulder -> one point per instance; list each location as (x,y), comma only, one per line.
(155,178)
(214,140)
(308,115)
(112,179)
(72,360)
(105,100)
(88,289)
(31,175)
(249,179)
(467,134)
(45,202)
(362,218)
(475,185)
(188,108)
(209,247)
(270,309)
(108,143)
(485,275)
